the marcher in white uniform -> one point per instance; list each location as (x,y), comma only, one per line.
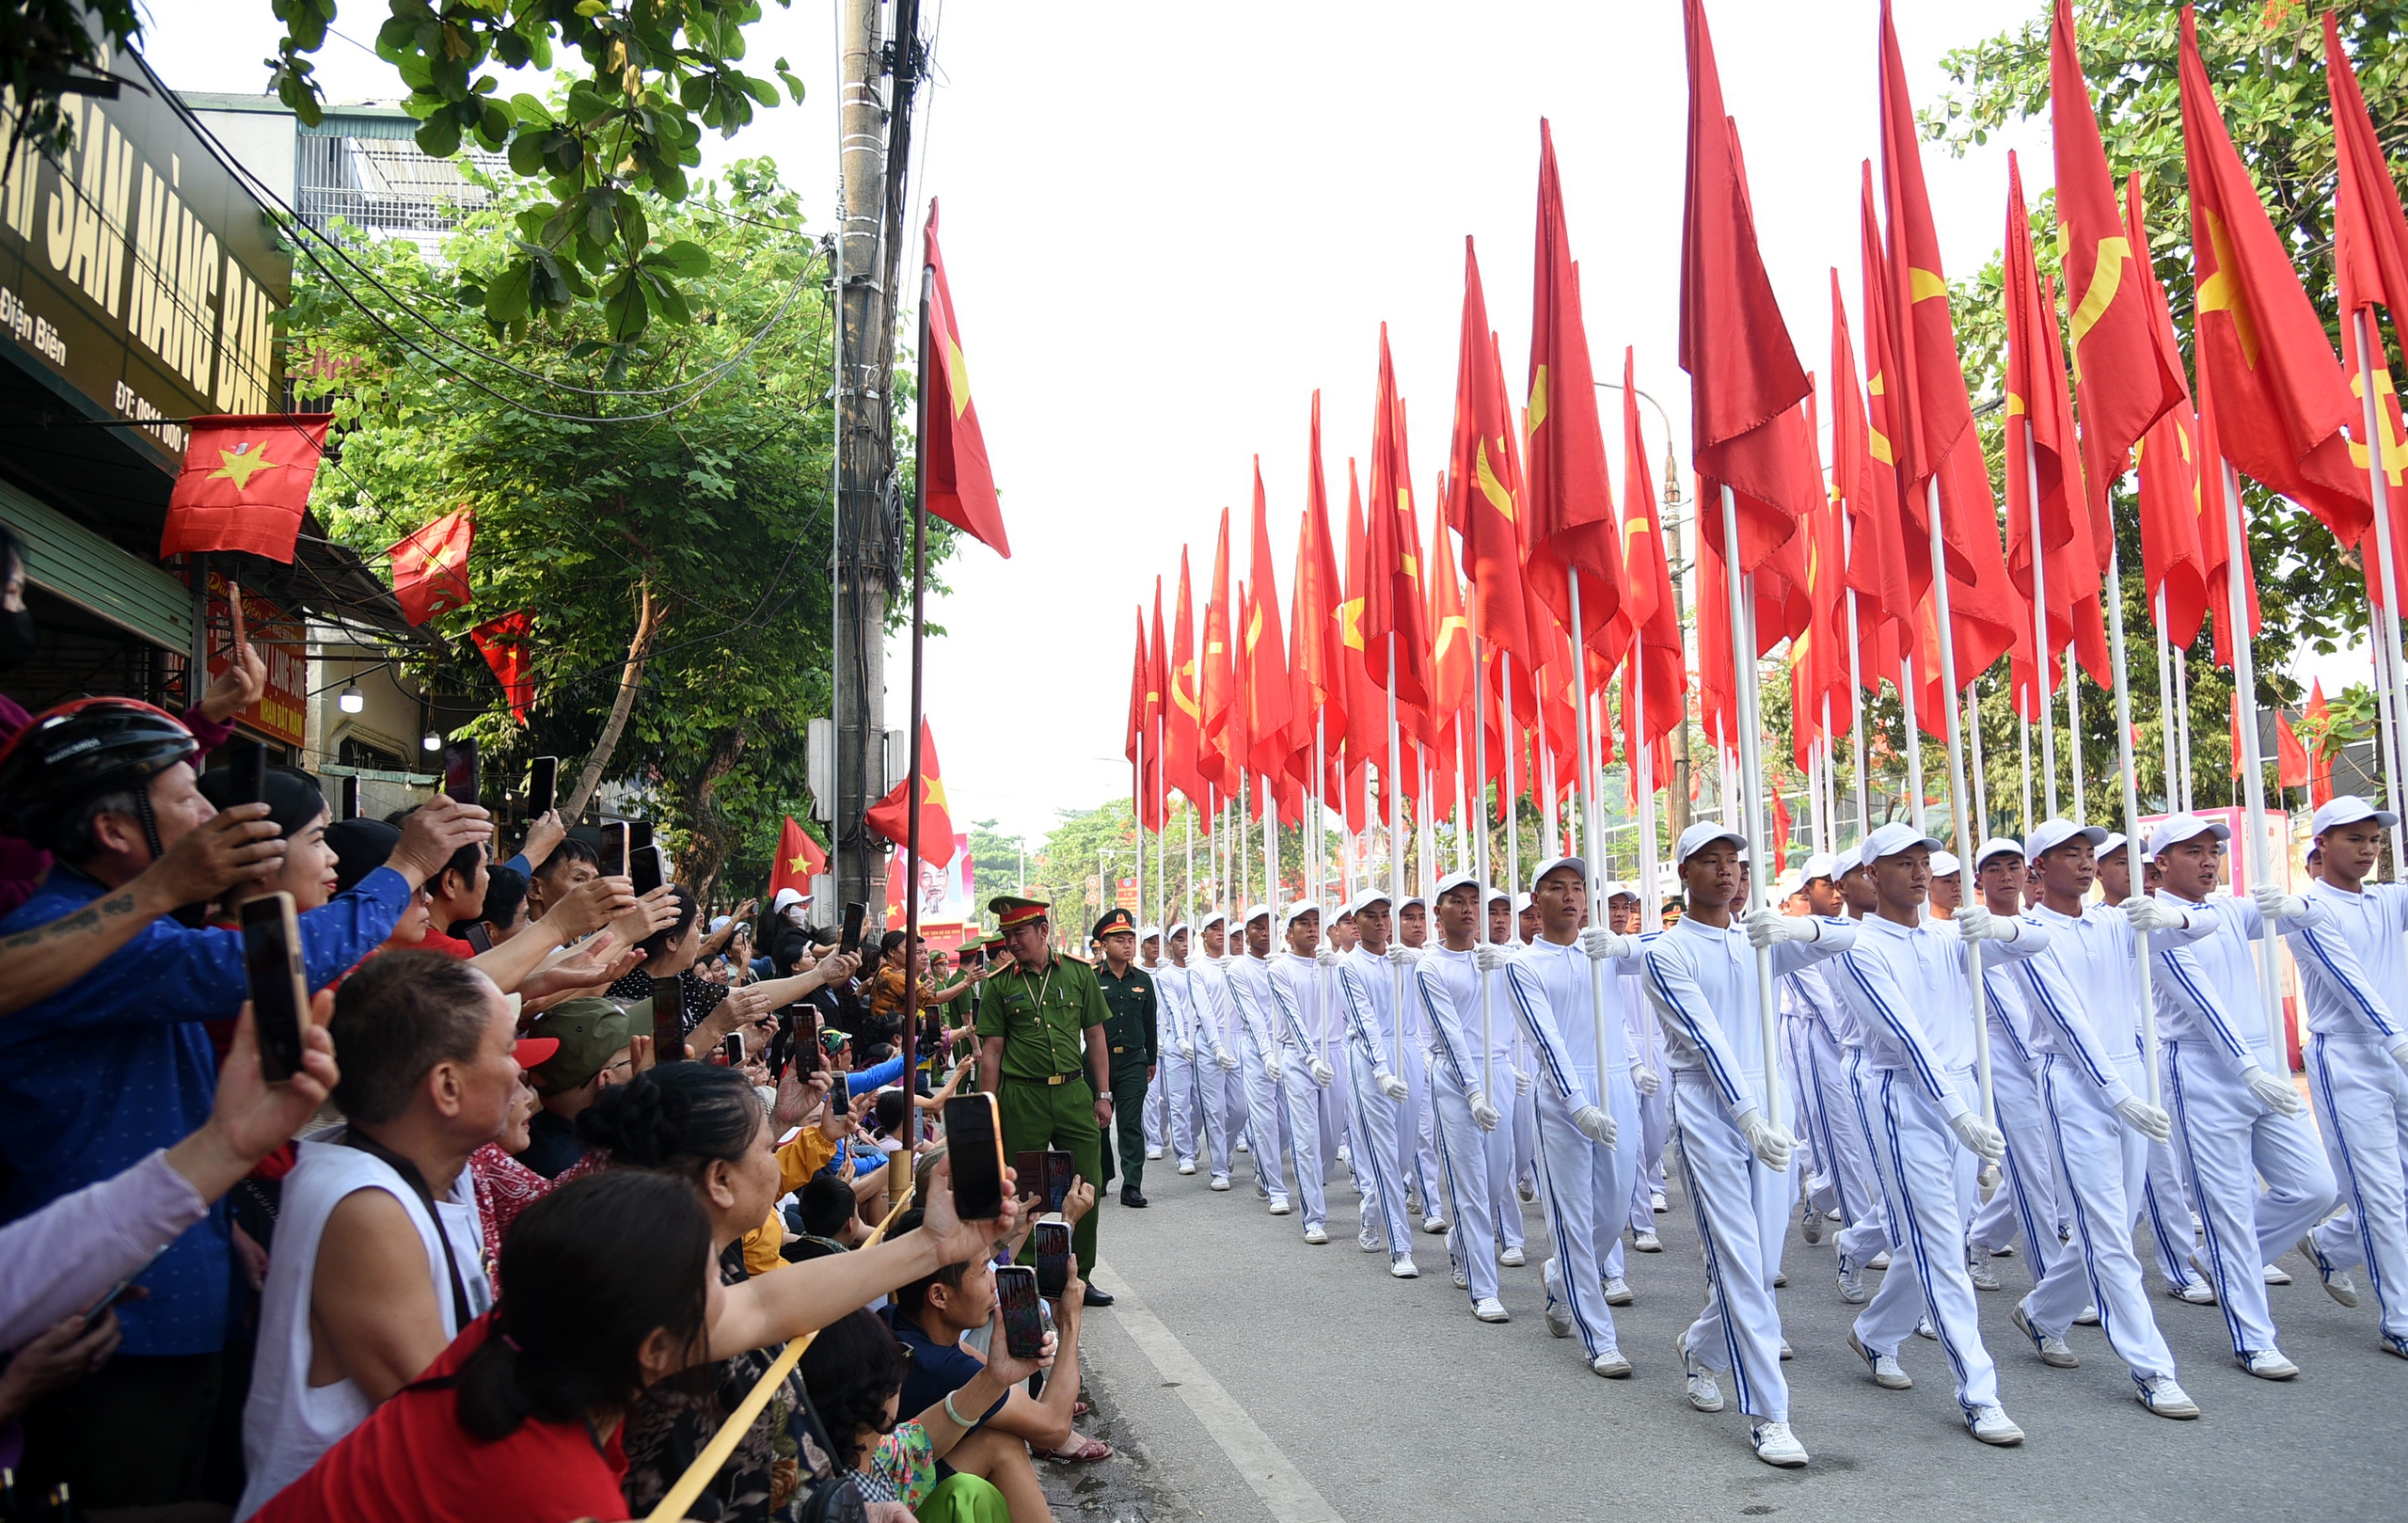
(1507,913)
(1250,990)
(1472,1157)
(1423,1190)
(1701,977)
(1191,1060)
(1156,1118)
(2357,1060)
(1587,1119)
(2086,1025)
(1863,1239)
(1367,983)
(1304,1007)
(1908,974)
(1809,1011)
(2236,1115)
(2025,1203)
(1220,1093)
(1627,985)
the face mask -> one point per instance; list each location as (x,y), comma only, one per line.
(18,638)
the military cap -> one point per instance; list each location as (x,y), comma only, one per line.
(1010,910)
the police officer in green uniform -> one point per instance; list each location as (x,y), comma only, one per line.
(1129,995)
(1042,1054)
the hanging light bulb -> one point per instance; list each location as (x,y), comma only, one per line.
(432,741)
(352,700)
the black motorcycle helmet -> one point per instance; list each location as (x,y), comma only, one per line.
(68,757)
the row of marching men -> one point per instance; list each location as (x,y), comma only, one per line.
(1415,1056)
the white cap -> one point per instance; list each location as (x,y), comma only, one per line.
(1178,929)
(1331,914)
(1294,913)
(718,923)
(2347,810)
(1945,865)
(785,896)
(1218,917)
(1148,933)
(1614,888)
(2051,833)
(1411,902)
(2114,844)
(1993,846)
(2174,828)
(1364,901)
(1455,881)
(1551,863)
(1820,864)
(1891,839)
(1521,903)
(1255,912)
(1704,834)
(1787,885)
(1494,894)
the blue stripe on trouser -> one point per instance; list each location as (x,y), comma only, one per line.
(1267,1122)
(1306,1133)
(1922,1175)
(2364,1102)
(1375,1127)
(2243,1305)
(1740,1329)
(1871,1232)
(2101,1164)
(1463,1164)
(2030,1198)
(1567,1189)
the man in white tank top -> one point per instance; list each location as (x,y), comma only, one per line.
(378,1257)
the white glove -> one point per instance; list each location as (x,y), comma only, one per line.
(1322,1073)
(1770,1144)
(1227,1059)
(1326,957)
(1644,1079)
(1976,923)
(2145,1119)
(2271,1092)
(1983,1140)
(1187,1049)
(1601,943)
(2276,905)
(1401,955)
(2147,914)
(1390,1085)
(1270,1067)
(1770,928)
(1490,958)
(1484,1115)
(1595,1125)
(1521,1083)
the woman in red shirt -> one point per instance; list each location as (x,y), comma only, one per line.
(607,1284)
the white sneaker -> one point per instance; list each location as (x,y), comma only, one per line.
(1316,1234)
(1978,1270)
(1787,1353)
(2277,1275)
(2338,1284)
(1925,1329)
(1810,1225)
(1491,1310)
(1780,1279)
(1153,1152)
(2197,1293)
(1618,1292)
(1704,1393)
(2052,1350)
(1242,1147)
(1991,1425)
(1279,1206)
(2086,1317)
(1888,1373)
(1434,1224)
(1559,1308)
(1611,1364)
(1656,1202)
(1646,1243)
(1851,1283)
(1369,1241)
(1776,1445)
(1455,1273)
(1880,1260)
(1259,1193)
(1344,1156)
(1404,1268)
(2162,1396)
(2268,1364)
(1220,1182)
(1512,1258)
(1525,1192)
(1187,1166)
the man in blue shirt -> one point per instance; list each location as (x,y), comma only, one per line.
(118,1063)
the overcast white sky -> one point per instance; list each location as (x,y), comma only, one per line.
(1166,227)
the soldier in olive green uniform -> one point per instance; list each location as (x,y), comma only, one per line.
(1129,995)
(1042,1054)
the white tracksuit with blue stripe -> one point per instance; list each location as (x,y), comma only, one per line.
(1558,996)
(1257,1004)
(2212,1028)
(1701,981)
(1307,1015)
(2355,972)
(2025,1204)
(1646,1042)
(1843,1178)
(1196,1007)
(2085,1024)
(1382,1128)
(1477,1166)
(1910,984)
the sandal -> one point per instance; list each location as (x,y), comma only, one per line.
(1080,1409)
(1087,1452)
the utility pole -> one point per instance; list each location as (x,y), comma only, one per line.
(874,152)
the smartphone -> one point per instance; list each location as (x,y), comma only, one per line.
(118,1290)
(855,913)
(1024,1323)
(1059,1171)
(732,1047)
(1029,1168)
(644,869)
(247,761)
(280,993)
(350,798)
(781,1048)
(974,1137)
(1051,1241)
(543,786)
(615,850)
(638,838)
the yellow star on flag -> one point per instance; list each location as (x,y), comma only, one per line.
(934,793)
(794,864)
(242,463)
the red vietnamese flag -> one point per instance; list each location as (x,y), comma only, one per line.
(1366,708)
(797,860)
(245,483)
(1877,567)
(2290,757)
(1649,604)
(891,816)
(1157,696)
(1319,645)
(1222,754)
(1391,580)
(1781,823)
(1744,375)
(2082,562)
(1897,571)
(1818,657)
(1262,653)
(505,643)
(431,566)
(1930,411)
(1570,500)
(1182,738)
(1484,487)
(2167,456)
(2215,541)
(1137,683)
(960,483)
(2371,266)
(2320,716)
(1718,707)
(1301,711)
(2124,377)
(1450,630)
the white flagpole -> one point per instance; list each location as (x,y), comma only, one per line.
(1479,926)
(1856,697)
(1425,834)
(2132,806)
(1981,772)
(1396,866)
(1584,793)
(1965,845)
(1320,785)
(1512,794)
(1137,809)
(1649,891)
(2023,754)
(1741,589)
(2040,642)
(2073,732)
(2387,617)
(2253,780)
(1914,741)
(2182,721)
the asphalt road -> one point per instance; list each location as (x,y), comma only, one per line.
(1247,1375)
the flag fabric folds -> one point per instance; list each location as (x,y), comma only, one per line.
(1484,486)
(2369,266)
(431,566)
(1222,752)
(961,486)
(1648,602)
(2169,464)
(1392,580)
(505,644)
(1262,653)
(245,483)
(799,858)
(1183,764)
(891,816)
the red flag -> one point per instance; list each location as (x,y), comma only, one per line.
(1181,735)
(2282,400)
(245,483)
(1222,754)
(1158,686)
(505,644)
(2319,715)
(1744,375)
(2082,562)
(1933,412)
(2370,264)
(2215,540)
(1572,523)
(960,483)
(799,858)
(1366,708)
(1780,830)
(1393,579)
(431,566)
(1818,657)
(891,815)
(1896,571)
(1485,485)
(1138,683)
(2169,469)
(2124,377)
(2290,757)
(1877,567)
(1648,602)
(1262,653)
(1319,642)
(1450,630)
